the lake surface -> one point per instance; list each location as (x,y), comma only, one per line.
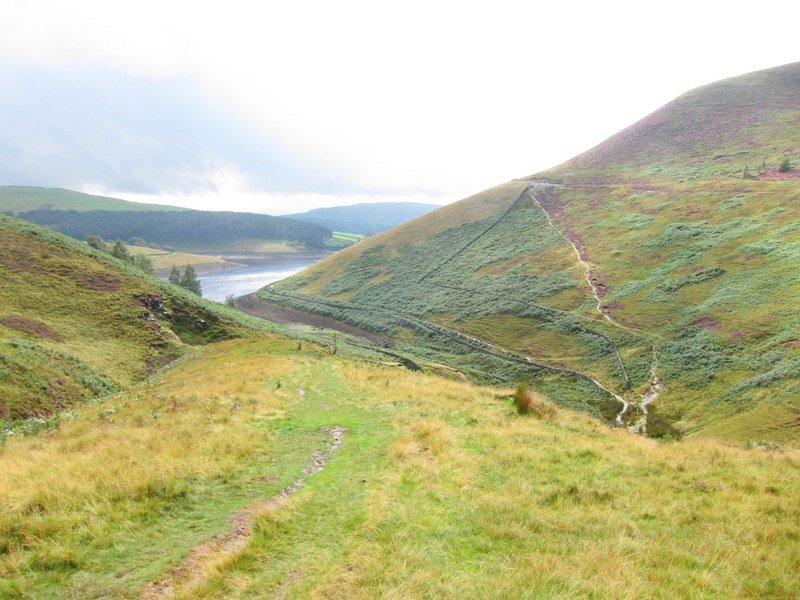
(258,272)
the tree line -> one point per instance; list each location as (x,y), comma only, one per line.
(193,226)
(118,250)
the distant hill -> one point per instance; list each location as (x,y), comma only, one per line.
(14,198)
(366,218)
(661,266)
(78,215)
(196,230)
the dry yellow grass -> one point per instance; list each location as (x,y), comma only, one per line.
(440,490)
(163,259)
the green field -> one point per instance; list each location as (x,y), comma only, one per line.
(342,239)
(15,198)
(347,237)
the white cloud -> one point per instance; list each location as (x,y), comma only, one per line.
(438,98)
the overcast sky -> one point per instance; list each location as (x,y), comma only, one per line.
(284,106)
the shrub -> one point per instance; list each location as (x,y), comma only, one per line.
(97,243)
(784,166)
(143,263)
(528,403)
(118,250)
(190,281)
(229,300)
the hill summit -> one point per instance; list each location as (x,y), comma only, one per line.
(712,131)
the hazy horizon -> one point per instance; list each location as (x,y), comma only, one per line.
(234,111)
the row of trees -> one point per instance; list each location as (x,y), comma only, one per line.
(197,227)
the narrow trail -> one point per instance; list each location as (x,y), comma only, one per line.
(587,274)
(235,537)
(528,191)
(656,386)
(538,307)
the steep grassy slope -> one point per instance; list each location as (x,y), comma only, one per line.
(75,323)
(439,489)
(648,264)
(709,132)
(18,198)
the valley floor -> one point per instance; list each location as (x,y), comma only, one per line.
(438,489)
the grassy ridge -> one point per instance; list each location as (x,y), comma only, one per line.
(15,198)
(441,477)
(712,131)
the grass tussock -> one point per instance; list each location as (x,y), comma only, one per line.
(530,403)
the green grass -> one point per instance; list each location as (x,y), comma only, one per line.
(347,237)
(16,198)
(440,490)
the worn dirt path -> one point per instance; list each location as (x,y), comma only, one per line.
(235,537)
(656,385)
(285,315)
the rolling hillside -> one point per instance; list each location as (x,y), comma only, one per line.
(76,323)
(365,218)
(652,280)
(16,198)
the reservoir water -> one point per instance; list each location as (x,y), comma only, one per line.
(257,272)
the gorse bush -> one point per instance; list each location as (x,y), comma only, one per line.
(785,166)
